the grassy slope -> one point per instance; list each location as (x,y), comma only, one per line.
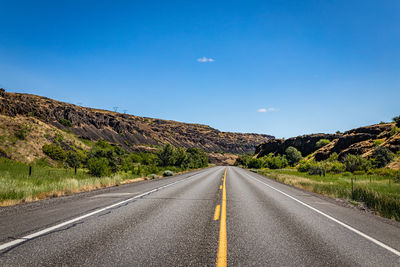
(379,193)
(39,133)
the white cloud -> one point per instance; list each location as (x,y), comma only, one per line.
(263,110)
(205,59)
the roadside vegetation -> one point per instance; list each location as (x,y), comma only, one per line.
(68,169)
(360,180)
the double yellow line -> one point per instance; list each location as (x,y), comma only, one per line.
(222,248)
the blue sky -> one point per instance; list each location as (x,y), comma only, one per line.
(277,67)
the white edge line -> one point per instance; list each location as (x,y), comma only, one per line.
(47,230)
(379,243)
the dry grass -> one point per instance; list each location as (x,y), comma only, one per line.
(30,149)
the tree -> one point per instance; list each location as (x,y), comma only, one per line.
(397,120)
(354,163)
(293,156)
(181,158)
(197,158)
(73,160)
(98,167)
(54,152)
(166,155)
(381,156)
(254,163)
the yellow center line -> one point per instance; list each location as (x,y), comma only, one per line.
(220,187)
(216,213)
(222,248)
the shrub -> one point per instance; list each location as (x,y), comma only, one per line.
(394,130)
(167,173)
(322,142)
(54,152)
(166,155)
(293,156)
(333,157)
(243,161)
(152,176)
(65,122)
(356,163)
(317,169)
(397,120)
(335,167)
(304,165)
(274,162)
(197,158)
(255,163)
(378,142)
(382,156)
(346,174)
(73,159)
(98,167)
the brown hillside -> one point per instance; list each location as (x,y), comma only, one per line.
(131,132)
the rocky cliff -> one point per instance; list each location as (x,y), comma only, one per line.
(360,141)
(128,131)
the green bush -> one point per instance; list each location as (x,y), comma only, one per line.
(354,163)
(335,167)
(54,152)
(293,156)
(378,142)
(333,157)
(394,130)
(381,156)
(168,173)
(197,158)
(397,121)
(65,122)
(347,174)
(73,159)
(166,155)
(98,167)
(243,160)
(305,165)
(359,173)
(317,169)
(322,142)
(274,162)
(152,176)
(254,163)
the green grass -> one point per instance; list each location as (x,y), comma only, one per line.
(16,186)
(379,193)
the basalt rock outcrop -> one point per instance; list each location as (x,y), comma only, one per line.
(360,141)
(131,132)
(306,144)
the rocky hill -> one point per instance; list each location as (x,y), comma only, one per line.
(360,141)
(130,132)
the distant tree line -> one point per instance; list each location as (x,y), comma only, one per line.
(105,159)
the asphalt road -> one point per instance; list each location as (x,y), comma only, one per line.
(218,215)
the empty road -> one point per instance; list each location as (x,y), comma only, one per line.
(218,216)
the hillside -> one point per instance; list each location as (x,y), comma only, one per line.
(133,133)
(360,141)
